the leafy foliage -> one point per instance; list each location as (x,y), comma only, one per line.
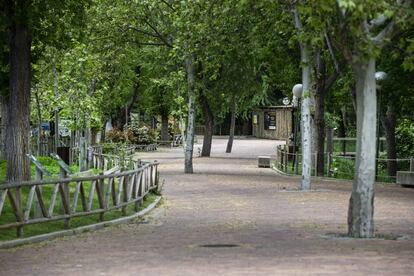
(405,138)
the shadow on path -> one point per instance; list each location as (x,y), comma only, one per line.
(229,201)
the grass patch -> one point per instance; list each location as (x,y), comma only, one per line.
(341,168)
(53,226)
(7,215)
(48,163)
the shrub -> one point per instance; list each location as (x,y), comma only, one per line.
(343,168)
(405,138)
(142,134)
(119,136)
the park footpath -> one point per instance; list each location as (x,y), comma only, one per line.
(232,218)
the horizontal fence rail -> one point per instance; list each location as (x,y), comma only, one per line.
(34,202)
(337,166)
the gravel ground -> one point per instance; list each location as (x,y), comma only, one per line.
(232,218)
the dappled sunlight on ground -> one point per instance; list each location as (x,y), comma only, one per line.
(232,218)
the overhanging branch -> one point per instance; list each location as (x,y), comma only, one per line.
(386,33)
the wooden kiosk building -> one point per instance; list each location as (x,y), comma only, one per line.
(273,122)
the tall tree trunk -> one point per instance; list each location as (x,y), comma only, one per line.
(361,205)
(165,136)
(324,82)
(320,131)
(18,100)
(329,147)
(208,125)
(189,139)
(342,130)
(352,92)
(319,116)
(4,108)
(39,125)
(232,125)
(389,122)
(56,111)
(306,121)
(305,111)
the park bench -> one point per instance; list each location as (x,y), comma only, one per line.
(405,178)
(263,161)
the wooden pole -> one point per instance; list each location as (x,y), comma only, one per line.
(82,154)
(329,163)
(37,209)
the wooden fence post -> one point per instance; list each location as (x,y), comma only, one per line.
(411,164)
(63,174)
(329,157)
(157,180)
(125,194)
(37,210)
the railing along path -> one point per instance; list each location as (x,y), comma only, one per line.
(81,196)
(290,163)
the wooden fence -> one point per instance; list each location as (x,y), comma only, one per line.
(78,197)
(97,151)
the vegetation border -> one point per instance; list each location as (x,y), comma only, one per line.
(81,229)
(276,170)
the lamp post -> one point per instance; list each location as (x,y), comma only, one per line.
(297,94)
(286,102)
(380,76)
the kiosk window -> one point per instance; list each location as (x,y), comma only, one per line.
(269,121)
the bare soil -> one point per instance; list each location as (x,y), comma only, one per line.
(232,218)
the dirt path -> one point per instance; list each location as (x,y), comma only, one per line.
(251,220)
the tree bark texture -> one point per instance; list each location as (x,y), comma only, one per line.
(18,98)
(329,147)
(189,139)
(324,82)
(3,129)
(306,122)
(165,136)
(389,122)
(208,126)
(319,116)
(342,130)
(39,125)
(305,110)
(232,125)
(361,206)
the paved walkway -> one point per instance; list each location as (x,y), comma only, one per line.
(232,218)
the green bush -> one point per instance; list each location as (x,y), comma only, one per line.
(143,134)
(343,168)
(47,162)
(405,138)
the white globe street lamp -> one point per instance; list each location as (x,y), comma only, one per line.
(380,76)
(297,90)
